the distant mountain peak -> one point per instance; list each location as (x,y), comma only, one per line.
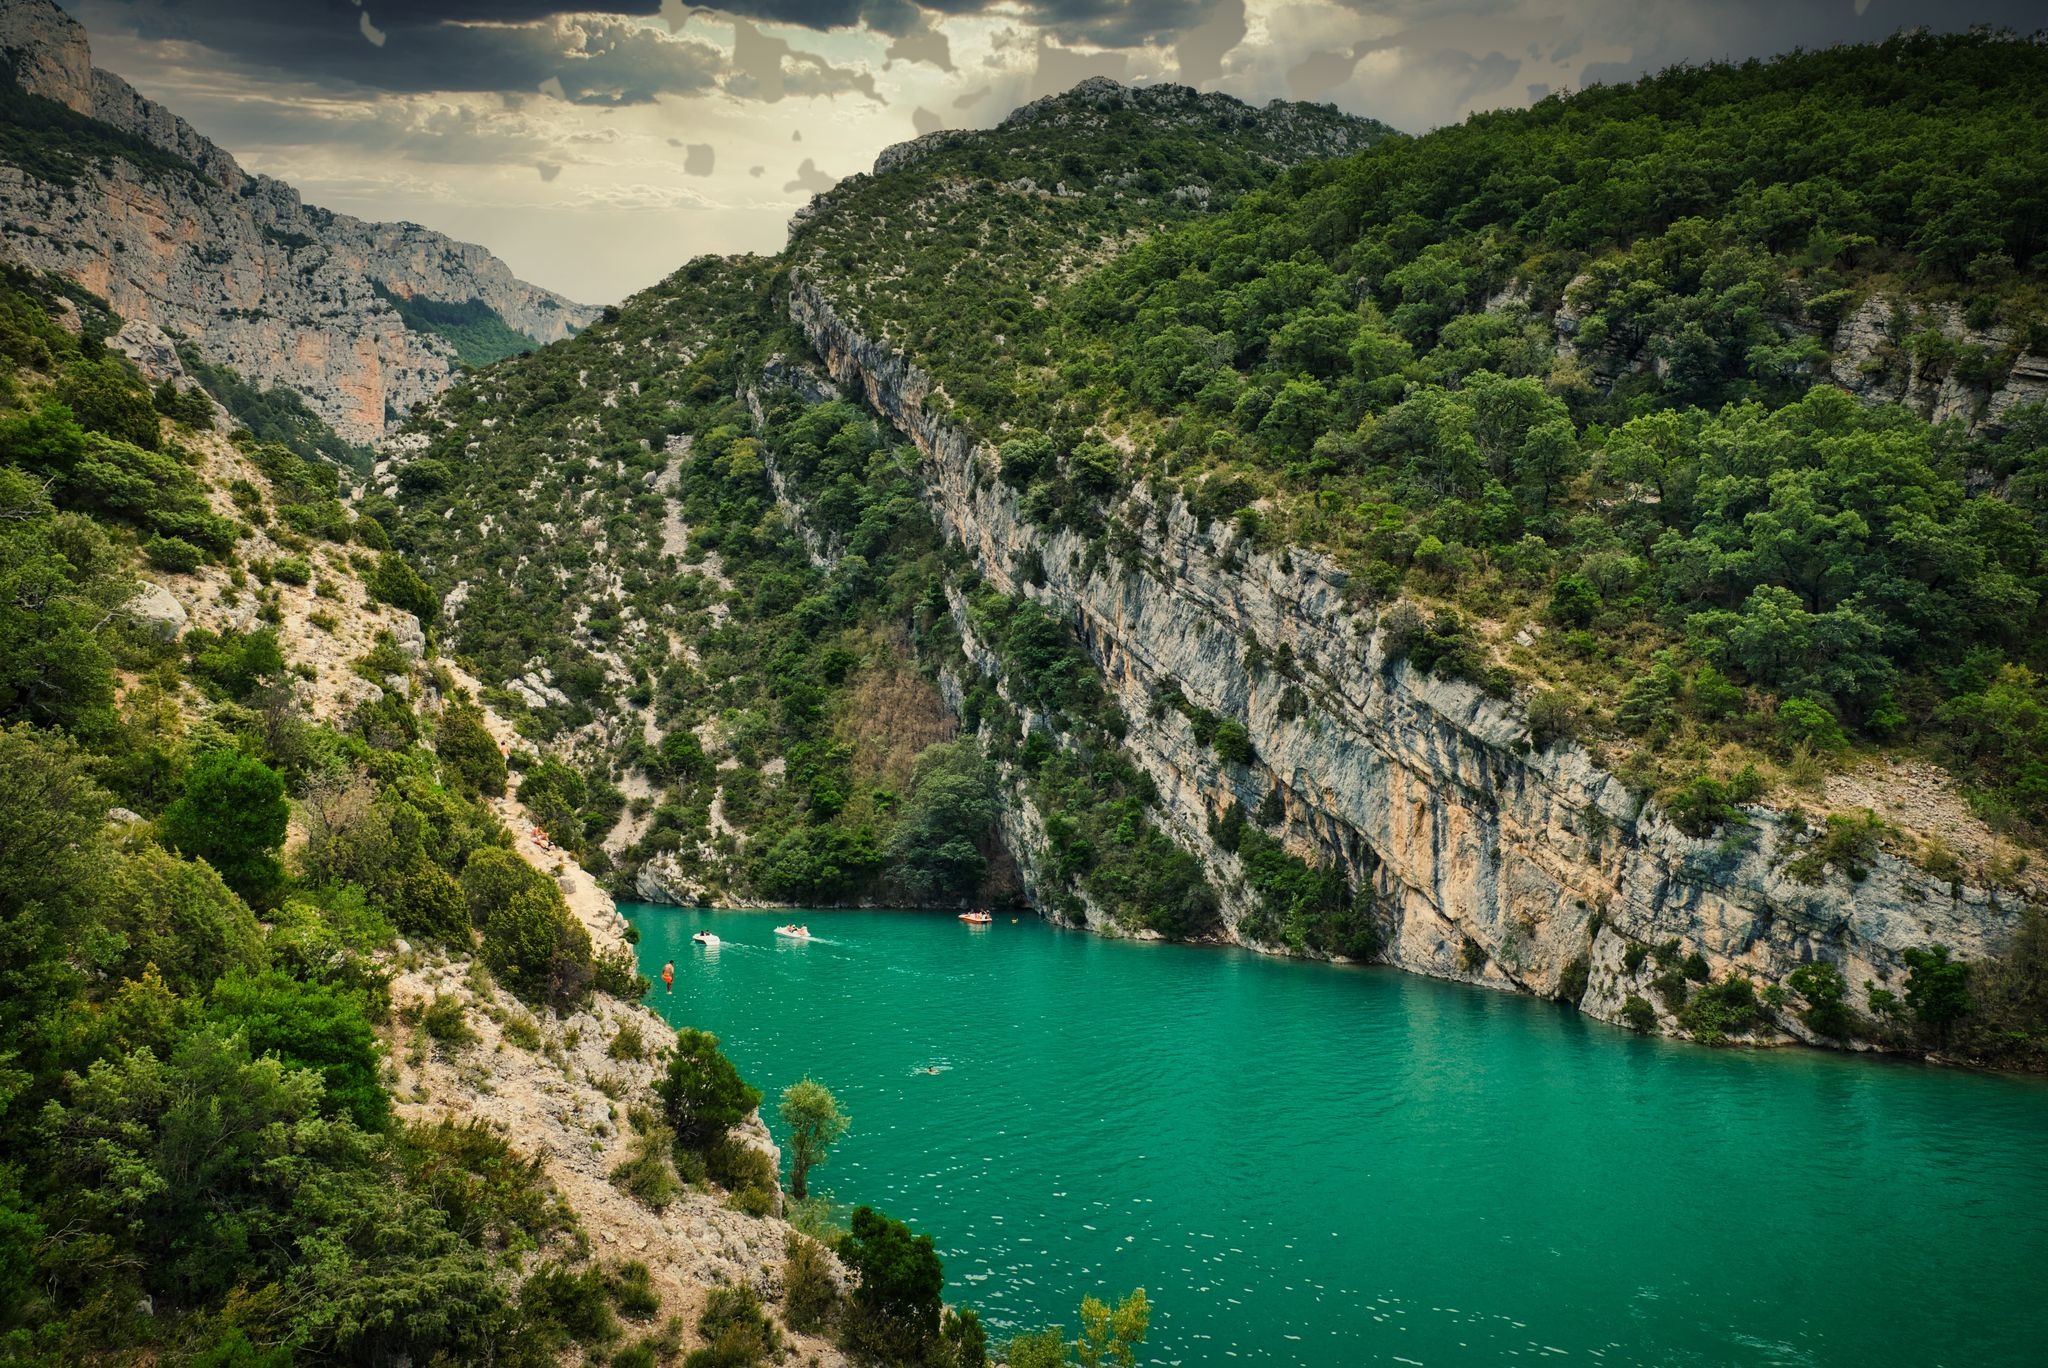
(279,290)
(1309,130)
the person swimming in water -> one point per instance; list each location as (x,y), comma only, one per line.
(668,976)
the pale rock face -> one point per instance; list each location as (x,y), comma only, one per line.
(51,56)
(405,630)
(1870,360)
(278,290)
(1423,789)
(150,348)
(157,610)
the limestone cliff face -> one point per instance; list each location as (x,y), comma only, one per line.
(49,54)
(1491,861)
(281,291)
(1871,360)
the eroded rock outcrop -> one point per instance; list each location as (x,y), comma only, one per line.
(281,291)
(1490,859)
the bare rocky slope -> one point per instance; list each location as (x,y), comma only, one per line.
(279,290)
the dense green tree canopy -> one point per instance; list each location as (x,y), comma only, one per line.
(233,816)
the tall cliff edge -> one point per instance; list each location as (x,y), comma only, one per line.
(1490,860)
(283,292)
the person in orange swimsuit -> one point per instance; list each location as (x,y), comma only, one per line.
(668,976)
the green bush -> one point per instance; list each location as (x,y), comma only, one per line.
(312,1026)
(535,947)
(469,754)
(736,1332)
(1553,717)
(234,663)
(1571,983)
(1703,806)
(1848,844)
(1826,992)
(1937,990)
(616,973)
(232,814)
(563,1307)
(178,917)
(1722,1009)
(522,1030)
(492,877)
(647,1173)
(627,1043)
(893,1312)
(1233,744)
(173,555)
(1573,602)
(810,1294)
(632,1290)
(106,396)
(395,582)
(1637,1014)
(425,902)
(702,1094)
(739,1168)
(446,1023)
(1807,722)
(1671,989)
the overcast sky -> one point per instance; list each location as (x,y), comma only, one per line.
(597,149)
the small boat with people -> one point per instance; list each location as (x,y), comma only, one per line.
(978,917)
(709,938)
(794,932)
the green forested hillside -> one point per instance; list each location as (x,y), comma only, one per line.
(1562,390)
(705,660)
(298,1036)
(1568,369)
(796,746)
(953,253)
(200,1159)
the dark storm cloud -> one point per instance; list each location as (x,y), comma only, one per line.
(597,59)
(1735,30)
(810,178)
(1111,23)
(515,45)
(470,45)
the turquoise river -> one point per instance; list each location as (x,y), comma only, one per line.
(1308,1164)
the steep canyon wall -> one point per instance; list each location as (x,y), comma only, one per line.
(1490,860)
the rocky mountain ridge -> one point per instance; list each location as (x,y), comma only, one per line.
(281,291)
(1304,129)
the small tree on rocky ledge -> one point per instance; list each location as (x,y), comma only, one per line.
(703,1095)
(815,1122)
